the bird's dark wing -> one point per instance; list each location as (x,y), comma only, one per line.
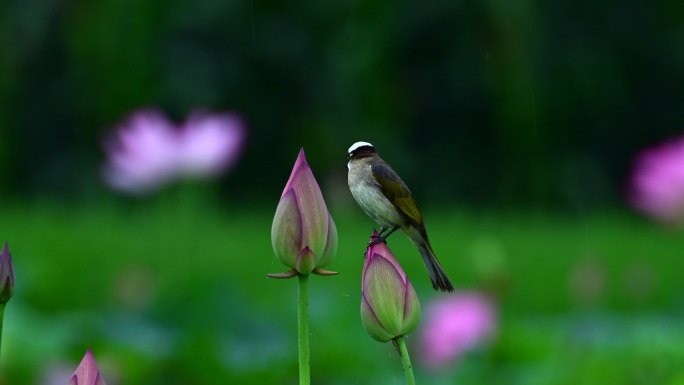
(396,191)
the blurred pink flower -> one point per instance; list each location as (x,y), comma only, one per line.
(657,187)
(454,324)
(148,150)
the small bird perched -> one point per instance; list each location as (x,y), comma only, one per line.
(384,197)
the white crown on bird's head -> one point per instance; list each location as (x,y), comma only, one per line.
(357,145)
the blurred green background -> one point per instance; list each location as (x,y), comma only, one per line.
(514,122)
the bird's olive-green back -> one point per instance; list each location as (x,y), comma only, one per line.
(397,192)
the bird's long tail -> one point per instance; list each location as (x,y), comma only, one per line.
(440,281)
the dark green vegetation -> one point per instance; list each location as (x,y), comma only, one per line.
(483,104)
(561,93)
(170,293)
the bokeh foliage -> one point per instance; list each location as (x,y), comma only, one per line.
(502,102)
(486,108)
(178,294)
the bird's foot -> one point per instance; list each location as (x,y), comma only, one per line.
(381,237)
(377,239)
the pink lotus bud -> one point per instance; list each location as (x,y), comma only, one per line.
(87,372)
(455,324)
(6,275)
(657,187)
(303,234)
(389,304)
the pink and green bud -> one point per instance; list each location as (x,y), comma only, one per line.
(6,275)
(87,372)
(303,234)
(389,304)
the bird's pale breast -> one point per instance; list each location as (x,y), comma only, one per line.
(369,196)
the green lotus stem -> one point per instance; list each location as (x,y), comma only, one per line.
(405,360)
(303,321)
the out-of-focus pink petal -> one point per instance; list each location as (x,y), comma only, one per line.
(455,324)
(210,143)
(148,150)
(657,187)
(143,154)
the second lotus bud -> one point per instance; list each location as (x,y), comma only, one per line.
(389,303)
(6,275)
(87,372)
(303,234)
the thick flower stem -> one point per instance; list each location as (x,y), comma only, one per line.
(303,321)
(405,360)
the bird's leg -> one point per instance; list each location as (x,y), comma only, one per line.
(380,238)
(395,228)
(382,230)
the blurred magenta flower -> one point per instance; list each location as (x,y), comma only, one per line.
(657,185)
(389,304)
(148,150)
(303,234)
(6,275)
(87,372)
(454,324)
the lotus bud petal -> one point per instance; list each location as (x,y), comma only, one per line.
(6,275)
(286,232)
(87,372)
(389,303)
(303,234)
(330,245)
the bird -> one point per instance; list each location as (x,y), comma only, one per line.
(384,197)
